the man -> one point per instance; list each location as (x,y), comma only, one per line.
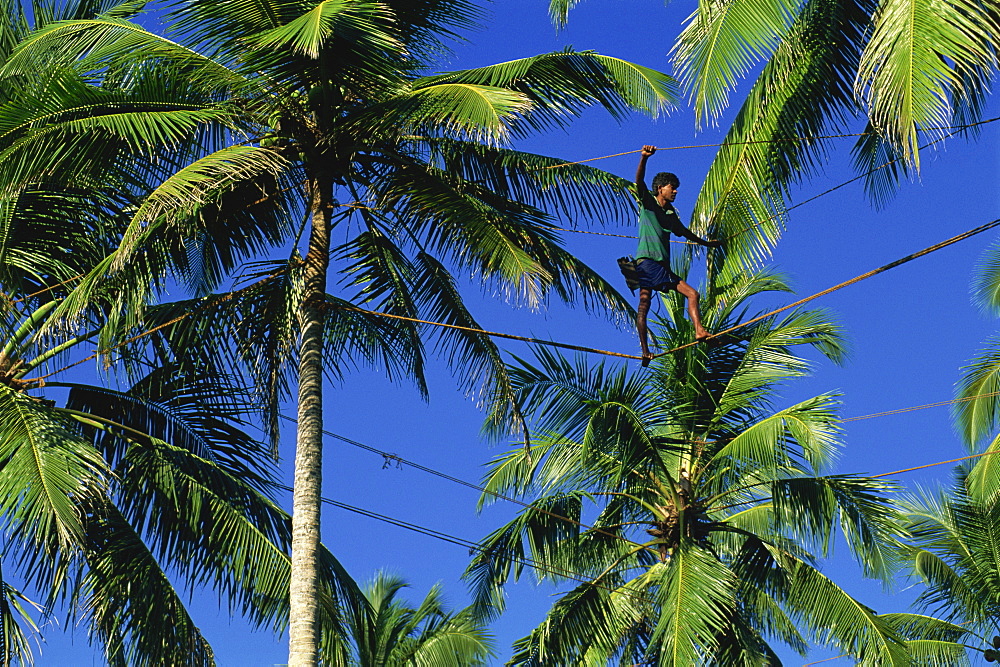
(657,219)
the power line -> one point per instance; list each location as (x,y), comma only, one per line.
(389,458)
(475,546)
(914,408)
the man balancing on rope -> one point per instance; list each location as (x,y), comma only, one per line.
(657,219)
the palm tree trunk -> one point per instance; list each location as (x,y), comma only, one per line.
(303,634)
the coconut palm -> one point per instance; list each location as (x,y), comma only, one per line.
(395,634)
(110,495)
(267,121)
(105,486)
(686,511)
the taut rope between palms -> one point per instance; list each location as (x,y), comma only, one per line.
(863,276)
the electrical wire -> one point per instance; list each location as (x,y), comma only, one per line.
(390,458)
(475,546)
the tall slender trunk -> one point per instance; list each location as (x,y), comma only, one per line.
(303,634)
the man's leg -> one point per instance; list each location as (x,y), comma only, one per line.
(645,297)
(691,294)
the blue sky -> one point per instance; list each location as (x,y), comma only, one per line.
(911,330)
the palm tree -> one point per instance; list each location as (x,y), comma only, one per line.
(395,634)
(102,486)
(107,495)
(267,121)
(683,509)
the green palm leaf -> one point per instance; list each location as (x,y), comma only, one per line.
(187,191)
(368,23)
(720,44)
(977,412)
(48,470)
(841,620)
(562,84)
(986,280)
(482,113)
(695,591)
(906,71)
(810,425)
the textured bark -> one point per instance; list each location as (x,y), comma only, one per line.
(303,634)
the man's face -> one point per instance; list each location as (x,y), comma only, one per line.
(667,192)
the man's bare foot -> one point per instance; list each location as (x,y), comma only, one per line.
(646,358)
(701,335)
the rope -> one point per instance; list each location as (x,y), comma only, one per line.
(148,332)
(867,173)
(620,236)
(955,131)
(863,276)
(937,463)
(955,128)
(568,346)
(43,290)
(493,334)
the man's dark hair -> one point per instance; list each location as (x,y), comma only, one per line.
(665,178)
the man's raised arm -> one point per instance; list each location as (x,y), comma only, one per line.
(640,172)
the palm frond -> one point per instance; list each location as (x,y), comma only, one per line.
(366,26)
(838,619)
(47,471)
(721,42)
(561,84)
(977,412)
(466,110)
(133,608)
(807,429)
(696,594)
(907,73)
(986,280)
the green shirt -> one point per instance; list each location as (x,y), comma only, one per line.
(655,225)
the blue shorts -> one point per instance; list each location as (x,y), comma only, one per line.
(655,276)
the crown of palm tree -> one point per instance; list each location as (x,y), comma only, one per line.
(696,508)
